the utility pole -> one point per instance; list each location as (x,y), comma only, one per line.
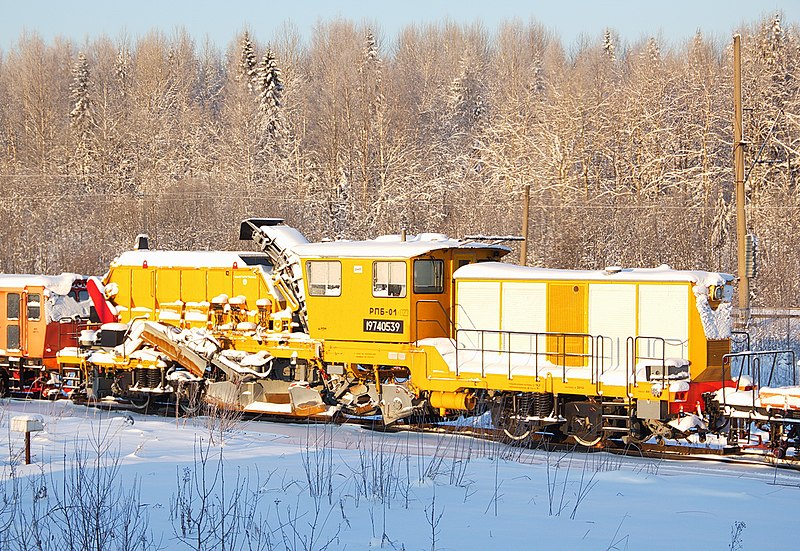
(526,203)
(738,162)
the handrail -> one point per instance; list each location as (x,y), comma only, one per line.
(447,331)
(633,357)
(504,338)
(752,360)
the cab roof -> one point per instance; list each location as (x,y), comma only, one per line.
(190,259)
(58,284)
(391,246)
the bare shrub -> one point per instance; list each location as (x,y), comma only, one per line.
(84,506)
(221,422)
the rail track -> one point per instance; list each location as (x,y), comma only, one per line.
(672,450)
(747,455)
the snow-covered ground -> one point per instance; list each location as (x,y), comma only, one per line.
(225,483)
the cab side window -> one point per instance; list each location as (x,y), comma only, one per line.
(429,276)
(324,278)
(389,279)
(12,308)
(12,313)
(34,306)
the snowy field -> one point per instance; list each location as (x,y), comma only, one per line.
(119,480)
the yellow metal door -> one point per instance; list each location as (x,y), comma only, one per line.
(142,288)
(566,315)
(168,285)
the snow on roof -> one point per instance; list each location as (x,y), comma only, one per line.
(498,270)
(389,246)
(285,236)
(185,259)
(58,284)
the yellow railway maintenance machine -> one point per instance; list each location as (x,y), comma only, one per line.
(430,323)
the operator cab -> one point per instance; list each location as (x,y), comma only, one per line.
(385,290)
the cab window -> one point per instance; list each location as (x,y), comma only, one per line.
(428,276)
(34,306)
(12,307)
(324,278)
(389,279)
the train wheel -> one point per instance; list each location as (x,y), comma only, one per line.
(589,439)
(190,399)
(139,401)
(506,418)
(584,422)
(518,433)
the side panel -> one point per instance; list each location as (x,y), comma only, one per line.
(193,285)
(122,277)
(524,311)
(612,315)
(245,283)
(663,312)
(220,282)
(478,308)
(168,285)
(353,312)
(566,313)
(141,289)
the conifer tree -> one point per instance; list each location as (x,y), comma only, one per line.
(247,71)
(81,117)
(608,45)
(270,90)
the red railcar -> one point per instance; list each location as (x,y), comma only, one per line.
(39,315)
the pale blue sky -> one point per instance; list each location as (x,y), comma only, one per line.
(676,20)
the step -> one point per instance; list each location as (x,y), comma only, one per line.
(611,416)
(616,429)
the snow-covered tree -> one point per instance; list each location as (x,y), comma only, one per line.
(608,45)
(247,69)
(270,90)
(81,117)
(653,50)
(122,70)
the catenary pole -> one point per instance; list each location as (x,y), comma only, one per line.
(738,161)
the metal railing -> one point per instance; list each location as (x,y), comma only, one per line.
(446,332)
(565,344)
(750,365)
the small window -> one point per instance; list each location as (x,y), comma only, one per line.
(79,295)
(12,337)
(389,279)
(324,278)
(428,276)
(12,309)
(34,306)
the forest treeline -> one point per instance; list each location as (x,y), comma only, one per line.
(627,148)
